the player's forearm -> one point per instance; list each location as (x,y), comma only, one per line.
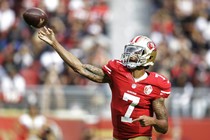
(91,72)
(161,126)
(68,58)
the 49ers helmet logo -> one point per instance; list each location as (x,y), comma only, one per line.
(148,89)
(151,46)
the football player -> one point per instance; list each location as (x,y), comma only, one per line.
(137,94)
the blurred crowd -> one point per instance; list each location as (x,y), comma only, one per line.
(180,28)
(32,125)
(80,26)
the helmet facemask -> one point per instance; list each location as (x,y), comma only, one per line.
(134,56)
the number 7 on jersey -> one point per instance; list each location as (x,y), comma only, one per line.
(135,100)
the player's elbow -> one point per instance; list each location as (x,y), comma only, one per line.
(161,126)
(163,130)
(79,70)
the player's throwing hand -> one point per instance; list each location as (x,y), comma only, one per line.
(47,35)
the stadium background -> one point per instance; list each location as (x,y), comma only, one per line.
(96,31)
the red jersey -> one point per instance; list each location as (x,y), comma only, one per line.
(132,99)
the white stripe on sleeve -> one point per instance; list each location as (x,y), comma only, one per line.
(108,70)
(165,92)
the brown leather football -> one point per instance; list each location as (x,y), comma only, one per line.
(35,17)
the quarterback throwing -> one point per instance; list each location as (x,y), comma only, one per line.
(137,95)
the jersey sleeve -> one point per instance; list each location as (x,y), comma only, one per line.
(163,85)
(109,68)
(166,89)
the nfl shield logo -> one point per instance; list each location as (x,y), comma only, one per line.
(133,86)
(148,89)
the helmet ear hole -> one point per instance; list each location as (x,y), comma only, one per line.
(147,67)
(150,57)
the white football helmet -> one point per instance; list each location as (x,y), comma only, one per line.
(140,51)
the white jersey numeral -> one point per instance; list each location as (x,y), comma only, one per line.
(158,75)
(135,100)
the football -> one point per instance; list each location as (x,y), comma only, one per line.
(35,17)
